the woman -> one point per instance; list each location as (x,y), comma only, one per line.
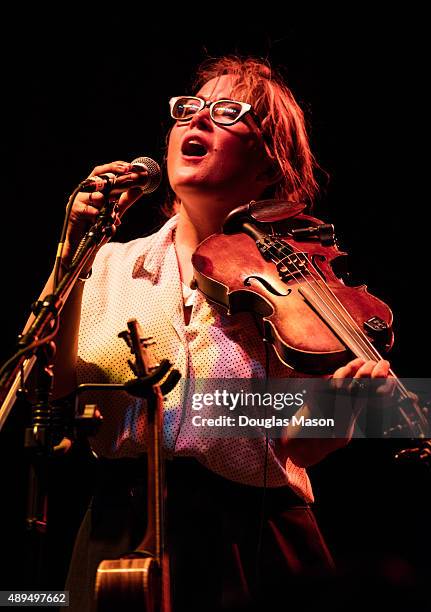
(240,529)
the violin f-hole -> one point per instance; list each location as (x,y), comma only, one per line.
(315,260)
(266,284)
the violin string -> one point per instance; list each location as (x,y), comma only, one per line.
(321,283)
(348,323)
(350,326)
(354,328)
(327,292)
(349,320)
(344,317)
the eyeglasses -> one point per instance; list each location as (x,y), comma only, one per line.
(224,112)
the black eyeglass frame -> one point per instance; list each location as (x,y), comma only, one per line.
(245,108)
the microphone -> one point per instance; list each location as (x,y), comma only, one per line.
(149,179)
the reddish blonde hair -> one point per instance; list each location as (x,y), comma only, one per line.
(282,120)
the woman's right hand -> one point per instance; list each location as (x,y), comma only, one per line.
(87,206)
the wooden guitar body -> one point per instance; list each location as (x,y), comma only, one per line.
(135,580)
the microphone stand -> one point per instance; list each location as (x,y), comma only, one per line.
(16,370)
(37,347)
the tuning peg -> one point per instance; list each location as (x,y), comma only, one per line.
(147,341)
(125,335)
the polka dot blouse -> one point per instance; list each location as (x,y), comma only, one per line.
(140,279)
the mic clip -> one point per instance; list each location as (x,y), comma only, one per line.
(325,232)
(102,182)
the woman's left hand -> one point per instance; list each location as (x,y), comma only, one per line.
(355,371)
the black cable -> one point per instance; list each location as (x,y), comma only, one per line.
(16,356)
(265,467)
(60,246)
(27,349)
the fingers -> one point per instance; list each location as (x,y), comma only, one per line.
(117,167)
(90,202)
(373,369)
(125,176)
(358,369)
(349,370)
(85,209)
(128,198)
(87,206)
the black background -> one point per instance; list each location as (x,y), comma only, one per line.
(80,90)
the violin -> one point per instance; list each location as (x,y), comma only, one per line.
(285,266)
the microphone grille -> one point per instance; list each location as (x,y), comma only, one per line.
(154,173)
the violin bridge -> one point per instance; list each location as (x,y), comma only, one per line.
(292,266)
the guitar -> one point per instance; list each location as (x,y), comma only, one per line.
(140,580)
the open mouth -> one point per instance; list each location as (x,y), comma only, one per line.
(194,148)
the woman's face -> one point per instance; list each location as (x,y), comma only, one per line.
(233,166)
